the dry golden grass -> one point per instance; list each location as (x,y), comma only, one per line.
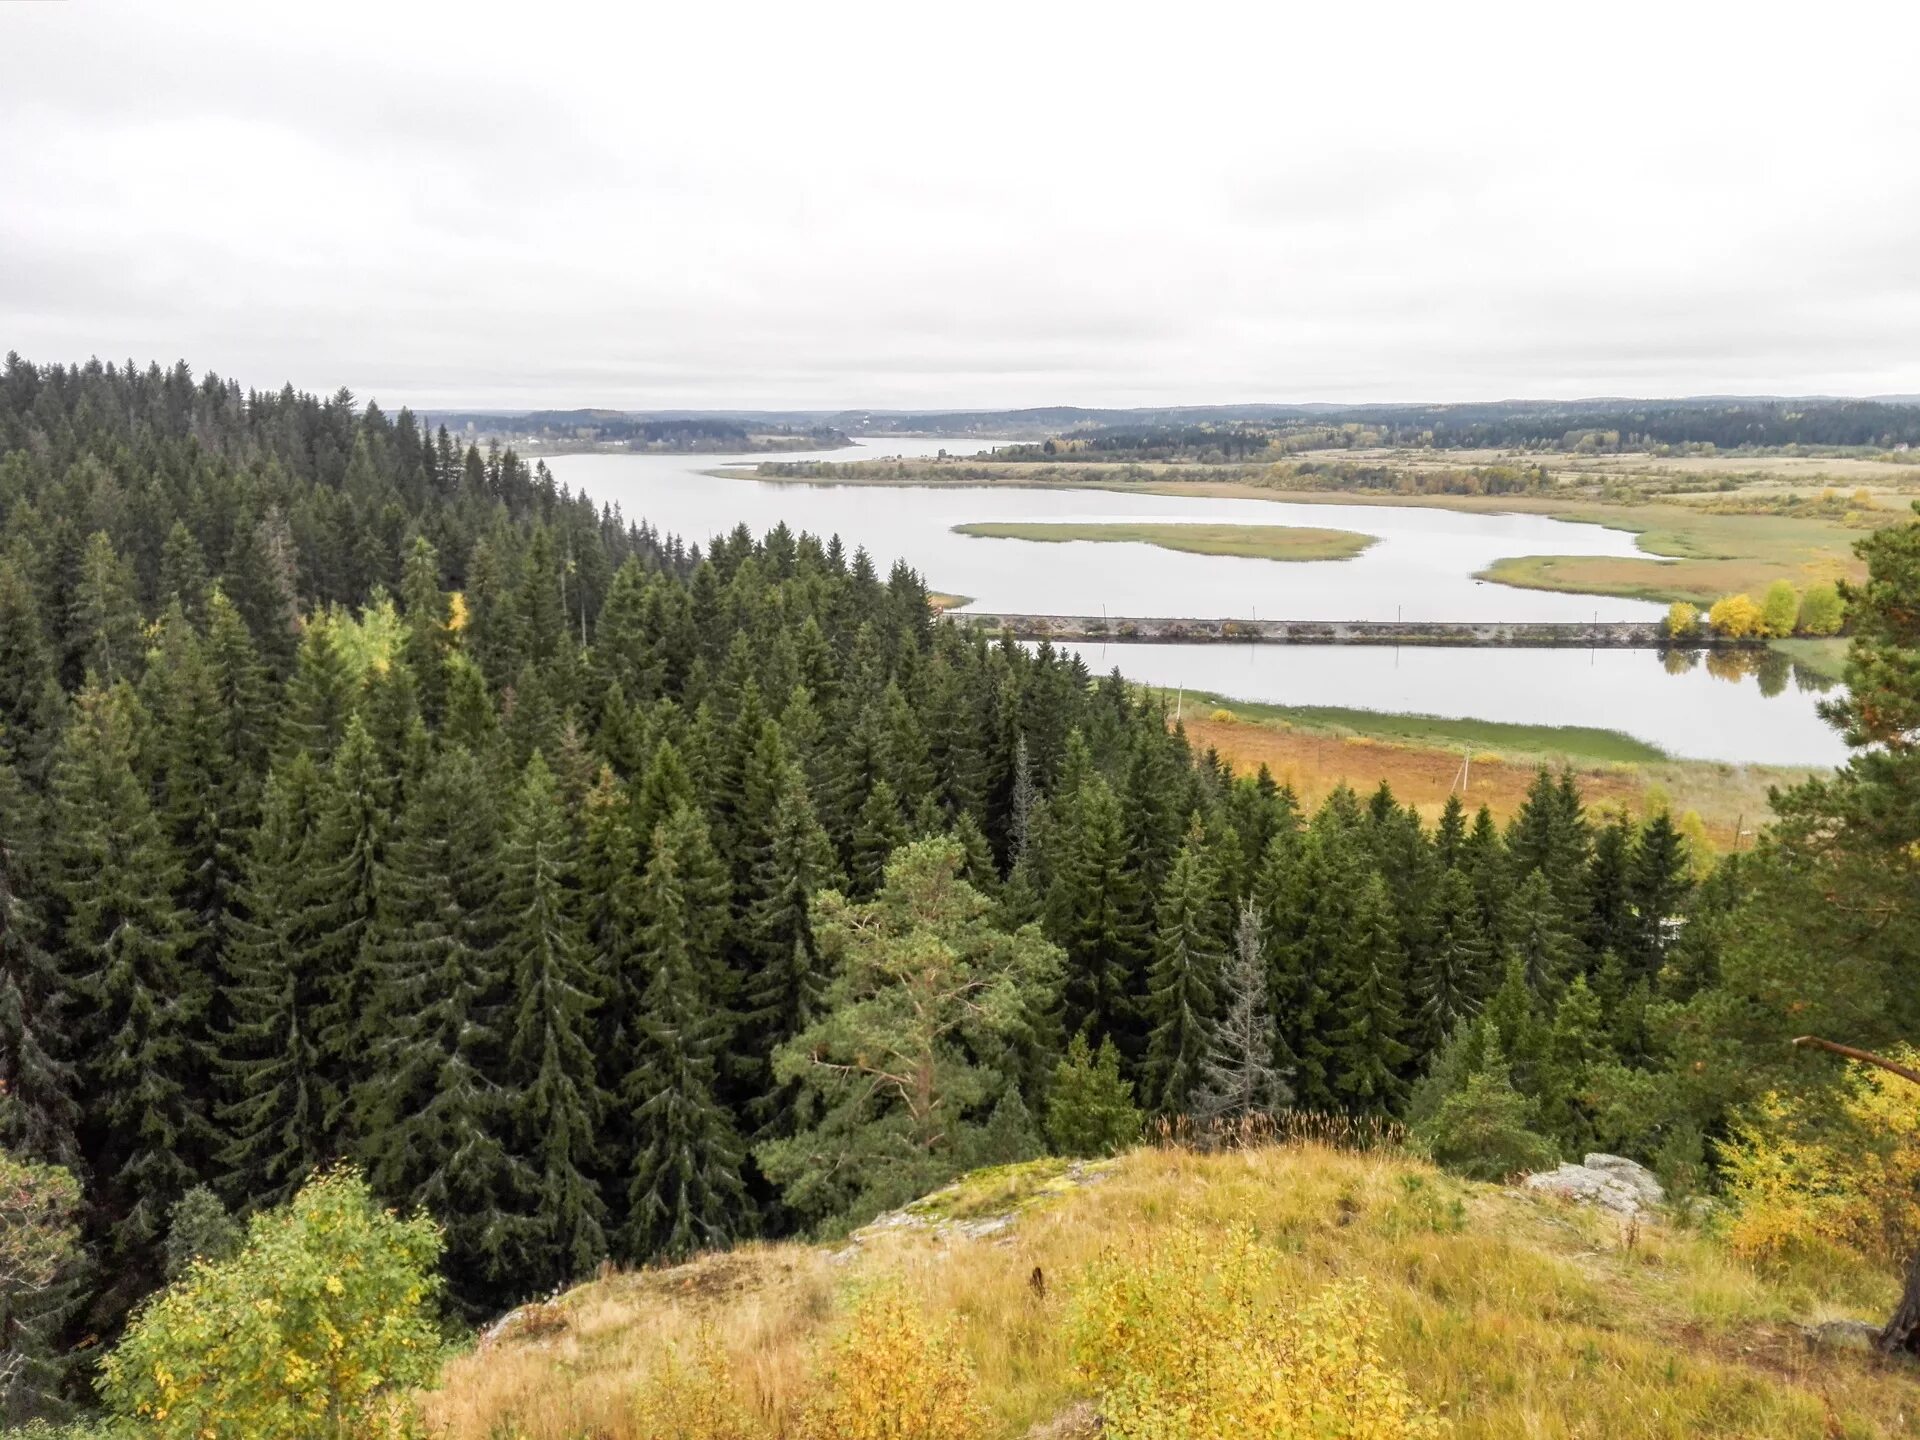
(1730,800)
(1518,1316)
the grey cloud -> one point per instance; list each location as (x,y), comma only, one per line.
(862,206)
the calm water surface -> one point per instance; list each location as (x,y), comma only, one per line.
(1717,712)
(1422,568)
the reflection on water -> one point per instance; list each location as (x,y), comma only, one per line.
(1772,670)
(1741,706)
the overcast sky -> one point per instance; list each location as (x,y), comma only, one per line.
(819,205)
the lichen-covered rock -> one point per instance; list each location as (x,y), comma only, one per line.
(1843,1335)
(1612,1182)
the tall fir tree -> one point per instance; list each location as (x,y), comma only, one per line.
(40,1117)
(1368,1053)
(1183,986)
(554,1100)
(138,1007)
(275,1108)
(684,1189)
(1453,970)
(1095,912)
(430,1124)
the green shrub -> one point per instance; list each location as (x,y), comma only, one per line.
(315,1328)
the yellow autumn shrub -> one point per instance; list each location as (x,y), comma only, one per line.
(693,1396)
(1801,1178)
(1737,617)
(892,1375)
(1178,1339)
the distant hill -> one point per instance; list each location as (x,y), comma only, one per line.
(537,431)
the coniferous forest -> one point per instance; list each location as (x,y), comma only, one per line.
(613,895)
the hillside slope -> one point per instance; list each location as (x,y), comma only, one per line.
(1515,1315)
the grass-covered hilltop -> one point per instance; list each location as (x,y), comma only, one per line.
(424,892)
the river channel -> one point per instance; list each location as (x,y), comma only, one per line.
(1421,567)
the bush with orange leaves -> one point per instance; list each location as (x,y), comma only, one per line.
(890,1375)
(1803,1176)
(1179,1343)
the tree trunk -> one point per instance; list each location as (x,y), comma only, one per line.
(1902,1335)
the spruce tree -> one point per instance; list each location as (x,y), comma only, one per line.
(1538,936)
(1367,1050)
(1453,970)
(1095,911)
(1303,897)
(319,697)
(554,1101)
(877,832)
(429,1117)
(787,979)
(40,1117)
(104,624)
(338,897)
(275,1112)
(137,1006)
(29,686)
(1575,1047)
(684,1191)
(1659,880)
(1183,985)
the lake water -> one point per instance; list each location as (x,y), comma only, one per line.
(1421,568)
(1720,711)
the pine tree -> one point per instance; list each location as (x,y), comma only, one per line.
(1237,1074)
(554,1100)
(1183,985)
(685,1191)
(137,1006)
(908,1058)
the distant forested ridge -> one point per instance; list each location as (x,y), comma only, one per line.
(1584,426)
(365,797)
(572,430)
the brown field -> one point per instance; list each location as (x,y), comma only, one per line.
(1730,800)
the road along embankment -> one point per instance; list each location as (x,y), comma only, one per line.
(1612,634)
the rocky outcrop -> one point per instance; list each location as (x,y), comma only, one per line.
(1612,1182)
(1843,1335)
